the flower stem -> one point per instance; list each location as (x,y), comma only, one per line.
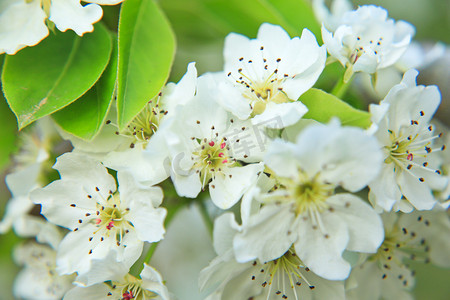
(342,86)
(206,217)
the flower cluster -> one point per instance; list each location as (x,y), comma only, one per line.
(304,209)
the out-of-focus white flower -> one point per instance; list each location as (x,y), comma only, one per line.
(268,74)
(125,287)
(206,144)
(304,209)
(403,129)
(417,56)
(366,40)
(100,218)
(284,277)
(188,246)
(420,236)
(20,183)
(332,17)
(38,280)
(23,22)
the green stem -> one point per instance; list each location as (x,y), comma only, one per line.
(206,217)
(342,85)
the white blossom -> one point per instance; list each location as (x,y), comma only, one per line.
(124,286)
(408,174)
(144,153)
(331,18)
(100,218)
(39,280)
(20,183)
(268,74)
(206,144)
(24,22)
(366,40)
(419,236)
(285,277)
(304,209)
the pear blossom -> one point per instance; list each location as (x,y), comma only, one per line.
(20,183)
(24,22)
(266,75)
(141,149)
(285,277)
(304,210)
(409,173)
(331,18)
(100,218)
(366,40)
(417,56)
(39,280)
(124,286)
(419,236)
(206,143)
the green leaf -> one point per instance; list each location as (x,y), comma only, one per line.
(9,129)
(323,106)
(146,53)
(298,14)
(40,80)
(85,117)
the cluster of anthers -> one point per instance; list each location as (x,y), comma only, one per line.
(308,195)
(403,243)
(211,156)
(363,46)
(109,218)
(281,274)
(145,124)
(131,288)
(261,90)
(410,143)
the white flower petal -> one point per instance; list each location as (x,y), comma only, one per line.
(64,203)
(87,172)
(365,227)
(95,292)
(225,228)
(418,193)
(152,281)
(145,168)
(148,222)
(74,252)
(287,114)
(22,24)
(322,251)
(226,189)
(70,14)
(267,235)
(188,185)
(384,191)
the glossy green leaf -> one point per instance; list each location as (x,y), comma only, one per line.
(323,106)
(9,129)
(146,53)
(85,117)
(40,80)
(298,14)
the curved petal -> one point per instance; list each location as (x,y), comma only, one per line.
(321,250)
(286,114)
(267,235)
(22,24)
(366,232)
(70,14)
(384,191)
(226,189)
